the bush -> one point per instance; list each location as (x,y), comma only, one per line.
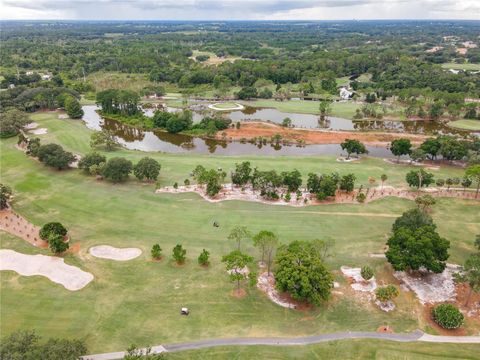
(366,272)
(73,108)
(179,254)
(203,258)
(361,197)
(53,155)
(117,169)
(54,228)
(156,251)
(5,194)
(57,244)
(90,160)
(386,293)
(447,316)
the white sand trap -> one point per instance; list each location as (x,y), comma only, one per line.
(54,268)
(113,253)
(431,288)
(267,284)
(39,131)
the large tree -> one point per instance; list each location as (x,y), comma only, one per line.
(412,219)
(12,121)
(400,147)
(73,108)
(353,147)
(413,249)
(241,175)
(266,241)
(235,263)
(301,272)
(117,169)
(147,168)
(419,178)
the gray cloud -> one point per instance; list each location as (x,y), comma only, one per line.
(239,9)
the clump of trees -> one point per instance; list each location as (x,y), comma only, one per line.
(173,122)
(117,169)
(447,316)
(54,233)
(28,345)
(92,163)
(419,178)
(301,272)
(122,102)
(12,121)
(386,293)
(212,178)
(415,244)
(53,155)
(105,138)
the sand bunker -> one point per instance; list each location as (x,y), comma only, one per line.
(430,288)
(54,268)
(113,253)
(39,131)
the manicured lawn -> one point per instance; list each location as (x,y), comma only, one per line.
(345,350)
(138,301)
(226,105)
(466,124)
(468,66)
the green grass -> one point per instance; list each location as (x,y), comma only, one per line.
(344,350)
(465,124)
(138,301)
(466,66)
(226,105)
(115,80)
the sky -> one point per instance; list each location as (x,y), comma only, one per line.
(238,9)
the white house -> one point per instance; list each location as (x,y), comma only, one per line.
(345,94)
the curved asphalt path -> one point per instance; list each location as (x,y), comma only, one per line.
(402,337)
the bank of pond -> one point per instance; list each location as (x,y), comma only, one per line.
(134,138)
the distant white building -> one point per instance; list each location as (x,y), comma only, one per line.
(345,94)
(46,76)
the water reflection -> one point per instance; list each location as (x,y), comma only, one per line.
(157,140)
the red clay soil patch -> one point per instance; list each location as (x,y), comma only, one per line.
(250,130)
(427,314)
(16,225)
(385,329)
(74,249)
(239,293)
(473,310)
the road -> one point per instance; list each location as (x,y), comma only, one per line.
(402,337)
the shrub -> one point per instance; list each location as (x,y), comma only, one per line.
(288,197)
(366,272)
(156,251)
(361,197)
(203,258)
(147,168)
(5,194)
(57,244)
(386,293)
(447,316)
(179,254)
(90,160)
(54,228)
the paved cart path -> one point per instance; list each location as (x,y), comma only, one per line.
(401,337)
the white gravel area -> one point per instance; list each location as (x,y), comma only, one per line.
(53,268)
(359,283)
(113,253)
(39,131)
(430,287)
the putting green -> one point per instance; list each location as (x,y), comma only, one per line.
(227,106)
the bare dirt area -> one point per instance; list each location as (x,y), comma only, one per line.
(16,225)
(249,130)
(53,268)
(113,253)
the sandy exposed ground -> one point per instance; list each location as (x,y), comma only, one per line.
(16,225)
(250,130)
(113,253)
(430,288)
(39,131)
(54,268)
(229,192)
(267,284)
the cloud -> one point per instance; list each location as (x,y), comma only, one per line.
(238,9)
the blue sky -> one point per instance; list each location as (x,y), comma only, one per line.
(239,9)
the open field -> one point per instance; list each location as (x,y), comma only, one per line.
(213,58)
(465,124)
(344,349)
(116,80)
(138,301)
(467,66)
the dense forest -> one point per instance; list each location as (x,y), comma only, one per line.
(396,58)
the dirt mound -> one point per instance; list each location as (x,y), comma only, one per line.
(113,253)
(53,268)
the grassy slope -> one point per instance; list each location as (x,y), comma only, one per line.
(471,67)
(138,301)
(345,350)
(466,124)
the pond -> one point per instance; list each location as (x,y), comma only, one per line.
(157,140)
